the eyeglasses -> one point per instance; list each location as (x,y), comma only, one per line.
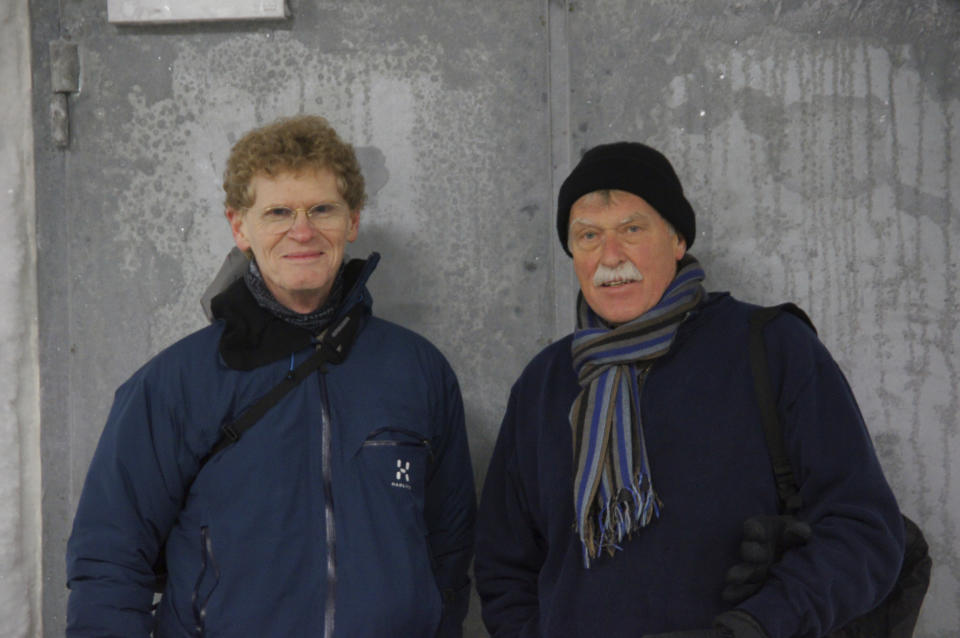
(323,217)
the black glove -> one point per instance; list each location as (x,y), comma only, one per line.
(738,624)
(690,633)
(765,539)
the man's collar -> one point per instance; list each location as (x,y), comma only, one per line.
(254,337)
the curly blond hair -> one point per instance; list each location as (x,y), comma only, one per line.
(292,144)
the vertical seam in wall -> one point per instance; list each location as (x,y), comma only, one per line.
(62,169)
(558,96)
(32,446)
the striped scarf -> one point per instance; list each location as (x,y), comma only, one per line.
(613,491)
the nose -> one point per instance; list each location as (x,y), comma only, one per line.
(611,250)
(302,229)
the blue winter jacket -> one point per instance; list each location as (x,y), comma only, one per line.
(710,467)
(347,510)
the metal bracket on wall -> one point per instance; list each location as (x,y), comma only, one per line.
(64,80)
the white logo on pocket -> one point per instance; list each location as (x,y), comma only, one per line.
(403,475)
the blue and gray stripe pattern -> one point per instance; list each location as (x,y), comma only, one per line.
(613,491)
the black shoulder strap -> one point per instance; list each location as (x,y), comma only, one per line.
(782,470)
(332,347)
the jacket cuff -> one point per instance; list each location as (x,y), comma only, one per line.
(738,624)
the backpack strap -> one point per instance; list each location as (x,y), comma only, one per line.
(332,347)
(787,489)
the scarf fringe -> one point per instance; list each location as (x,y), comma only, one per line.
(617,520)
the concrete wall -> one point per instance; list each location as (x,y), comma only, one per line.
(20,614)
(816,139)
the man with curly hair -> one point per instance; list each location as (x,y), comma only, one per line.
(299,467)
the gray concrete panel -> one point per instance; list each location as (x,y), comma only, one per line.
(817,141)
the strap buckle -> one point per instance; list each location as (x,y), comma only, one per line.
(230,433)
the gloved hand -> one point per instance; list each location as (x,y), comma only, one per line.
(765,539)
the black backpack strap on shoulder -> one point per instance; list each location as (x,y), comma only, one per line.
(332,347)
(787,490)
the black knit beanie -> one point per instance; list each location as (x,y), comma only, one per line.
(632,167)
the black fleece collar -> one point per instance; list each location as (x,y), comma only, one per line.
(254,337)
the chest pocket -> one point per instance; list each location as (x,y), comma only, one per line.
(397,461)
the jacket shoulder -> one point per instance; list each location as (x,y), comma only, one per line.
(396,338)
(556,353)
(549,370)
(403,355)
(197,348)
(178,374)
(722,311)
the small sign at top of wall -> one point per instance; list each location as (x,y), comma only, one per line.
(163,11)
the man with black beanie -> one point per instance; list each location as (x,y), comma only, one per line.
(631,453)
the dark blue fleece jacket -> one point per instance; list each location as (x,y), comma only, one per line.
(348,507)
(711,469)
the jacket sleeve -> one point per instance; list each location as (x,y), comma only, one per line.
(853,556)
(129,502)
(510,548)
(450,510)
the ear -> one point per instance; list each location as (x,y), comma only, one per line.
(238,228)
(354,228)
(680,248)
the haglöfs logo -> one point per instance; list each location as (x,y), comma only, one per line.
(403,475)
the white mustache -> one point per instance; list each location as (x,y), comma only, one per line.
(624,272)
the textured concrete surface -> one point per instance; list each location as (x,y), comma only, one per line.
(20,613)
(816,139)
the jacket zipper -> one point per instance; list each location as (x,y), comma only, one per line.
(420,442)
(331,530)
(206,556)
